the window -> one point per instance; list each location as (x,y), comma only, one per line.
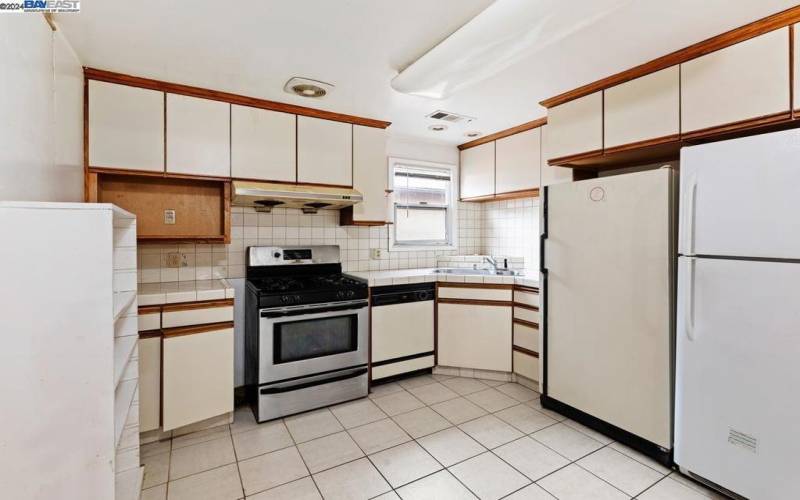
(423,209)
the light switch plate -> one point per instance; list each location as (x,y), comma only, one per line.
(169,216)
(376,253)
(176,259)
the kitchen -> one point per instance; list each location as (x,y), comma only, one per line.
(362,265)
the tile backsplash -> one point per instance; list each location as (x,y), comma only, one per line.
(504,228)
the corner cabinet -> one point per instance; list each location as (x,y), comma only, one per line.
(746,82)
(477,171)
(575,128)
(263,144)
(324,152)
(126,127)
(369,178)
(518,162)
(198,136)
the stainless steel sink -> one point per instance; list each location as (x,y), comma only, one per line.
(475,272)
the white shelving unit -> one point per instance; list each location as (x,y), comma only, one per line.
(72,361)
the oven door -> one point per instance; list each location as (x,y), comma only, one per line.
(299,341)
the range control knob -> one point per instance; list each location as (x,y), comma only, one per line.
(285,299)
(351,294)
(340,294)
(424,295)
(277,255)
(296,299)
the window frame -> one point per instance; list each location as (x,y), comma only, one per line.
(451,208)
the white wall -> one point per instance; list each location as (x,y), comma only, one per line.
(41,104)
(414,149)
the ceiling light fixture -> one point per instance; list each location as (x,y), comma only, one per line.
(473,133)
(437,127)
(306,87)
(505,33)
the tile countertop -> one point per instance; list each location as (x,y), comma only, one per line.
(150,294)
(403,276)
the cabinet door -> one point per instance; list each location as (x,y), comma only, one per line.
(646,108)
(517,161)
(474,336)
(126,127)
(263,144)
(149,383)
(477,171)
(576,127)
(198,136)
(370,173)
(551,175)
(324,151)
(198,376)
(745,81)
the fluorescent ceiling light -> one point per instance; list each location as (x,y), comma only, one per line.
(503,34)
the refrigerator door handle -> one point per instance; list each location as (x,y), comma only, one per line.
(690,196)
(689,299)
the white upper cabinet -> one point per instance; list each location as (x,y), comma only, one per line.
(324,151)
(576,127)
(643,109)
(477,171)
(551,175)
(745,81)
(517,161)
(198,136)
(126,127)
(369,173)
(263,144)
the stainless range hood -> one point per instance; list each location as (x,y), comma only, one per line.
(264,196)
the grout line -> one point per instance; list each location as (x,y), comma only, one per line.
(236,456)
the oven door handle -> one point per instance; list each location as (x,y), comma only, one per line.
(278,389)
(316,309)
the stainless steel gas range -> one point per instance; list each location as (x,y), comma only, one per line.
(306,330)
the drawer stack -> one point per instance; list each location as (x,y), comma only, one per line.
(526,332)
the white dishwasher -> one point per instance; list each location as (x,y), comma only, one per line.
(402,329)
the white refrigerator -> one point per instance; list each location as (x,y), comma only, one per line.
(737,400)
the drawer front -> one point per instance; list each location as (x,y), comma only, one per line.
(526,298)
(496,294)
(379,372)
(526,314)
(526,337)
(149,321)
(526,365)
(199,316)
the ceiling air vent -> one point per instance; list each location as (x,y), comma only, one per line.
(450,117)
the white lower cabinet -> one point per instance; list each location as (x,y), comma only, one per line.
(149,383)
(475,336)
(526,365)
(197,374)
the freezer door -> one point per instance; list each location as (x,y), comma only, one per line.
(609,256)
(740,198)
(737,380)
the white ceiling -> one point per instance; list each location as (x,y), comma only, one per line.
(360,45)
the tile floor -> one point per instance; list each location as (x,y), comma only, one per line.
(426,437)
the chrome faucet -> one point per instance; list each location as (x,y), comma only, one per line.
(492,262)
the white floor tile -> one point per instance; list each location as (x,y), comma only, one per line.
(489,477)
(465,385)
(265,438)
(379,390)
(459,410)
(405,463)
(157,448)
(201,436)
(530,457)
(312,425)
(491,400)
(441,485)
(378,436)
(156,469)
(329,451)
(640,457)
(421,422)
(490,431)
(574,483)
(273,469)
(201,457)
(359,412)
(531,492)
(302,489)
(451,446)
(216,484)
(418,381)
(669,489)
(518,392)
(597,436)
(398,402)
(433,393)
(525,418)
(358,480)
(243,420)
(567,441)
(156,493)
(621,471)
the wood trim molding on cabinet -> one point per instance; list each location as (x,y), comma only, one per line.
(476,302)
(504,133)
(732,37)
(525,351)
(511,195)
(150,334)
(290,183)
(524,322)
(525,288)
(566,160)
(191,330)
(750,123)
(216,95)
(346,219)
(188,306)
(454,284)
(488,197)
(149,309)
(526,306)
(642,144)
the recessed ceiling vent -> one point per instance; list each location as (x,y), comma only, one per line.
(450,117)
(306,87)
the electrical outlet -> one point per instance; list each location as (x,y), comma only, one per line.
(176,259)
(376,253)
(169,216)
